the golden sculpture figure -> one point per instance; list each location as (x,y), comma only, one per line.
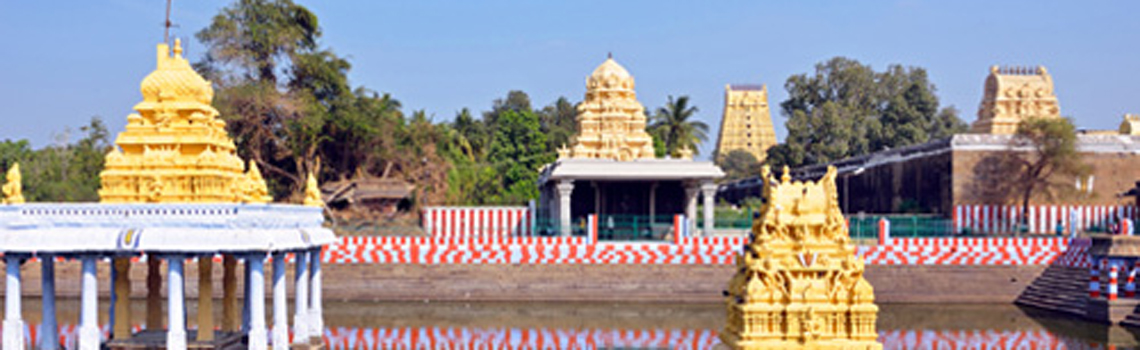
(14,189)
(312,192)
(798,283)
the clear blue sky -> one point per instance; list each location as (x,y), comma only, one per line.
(63,62)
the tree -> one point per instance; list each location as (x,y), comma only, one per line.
(559,122)
(1052,152)
(738,164)
(672,122)
(518,150)
(847,109)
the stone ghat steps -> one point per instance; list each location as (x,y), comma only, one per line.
(1058,288)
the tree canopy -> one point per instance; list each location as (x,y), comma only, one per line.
(847,109)
(673,124)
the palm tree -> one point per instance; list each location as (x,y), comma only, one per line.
(673,125)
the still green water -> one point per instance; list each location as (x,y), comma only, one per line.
(451,325)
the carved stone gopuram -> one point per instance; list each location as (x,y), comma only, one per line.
(1013,94)
(611,123)
(747,122)
(798,283)
(176,149)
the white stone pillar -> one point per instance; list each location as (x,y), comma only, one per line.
(175,304)
(49,328)
(89,334)
(316,312)
(565,189)
(301,299)
(280,304)
(691,191)
(708,193)
(257,335)
(13,321)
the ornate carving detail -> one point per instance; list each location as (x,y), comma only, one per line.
(14,188)
(1012,94)
(798,282)
(611,123)
(175,149)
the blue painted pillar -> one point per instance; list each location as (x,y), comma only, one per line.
(49,328)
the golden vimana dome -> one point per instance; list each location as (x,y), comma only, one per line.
(611,123)
(175,148)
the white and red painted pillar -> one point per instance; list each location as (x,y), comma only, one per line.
(884,231)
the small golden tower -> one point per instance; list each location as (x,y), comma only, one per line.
(611,123)
(798,283)
(175,149)
(14,188)
(747,122)
(1013,94)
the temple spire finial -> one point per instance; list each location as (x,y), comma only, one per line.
(167,24)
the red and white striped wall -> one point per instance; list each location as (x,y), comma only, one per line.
(1042,218)
(687,250)
(346,338)
(471,222)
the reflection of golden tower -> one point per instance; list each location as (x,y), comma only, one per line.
(798,283)
(175,149)
(611,123)
(747,122)
(1013,94)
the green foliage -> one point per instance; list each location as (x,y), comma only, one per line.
(847,109)
(738,164)
(518,151)
(673,124)
(1053,154)
(66,172)
(496,159)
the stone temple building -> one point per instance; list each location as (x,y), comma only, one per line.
(1012,94)
(747,122)
(610,169)
(938,175)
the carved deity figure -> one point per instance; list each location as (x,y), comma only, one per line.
(312,192)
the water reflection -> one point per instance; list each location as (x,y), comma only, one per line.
(417,325)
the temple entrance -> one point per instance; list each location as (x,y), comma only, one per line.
(629,210)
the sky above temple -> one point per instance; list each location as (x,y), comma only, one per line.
(63,63)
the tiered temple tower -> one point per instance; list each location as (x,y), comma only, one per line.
(175,149)
(1013,94)
(747,122)
(798,283)
(611,123)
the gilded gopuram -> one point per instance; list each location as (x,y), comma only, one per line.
(611,123)
(1013,94)
(798,283)
(747,122)
(175,148)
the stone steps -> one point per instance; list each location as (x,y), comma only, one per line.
(1058,288)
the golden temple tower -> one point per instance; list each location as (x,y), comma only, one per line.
(747,122)
(1013,94)
(611,123)
(798,283)
(175,149)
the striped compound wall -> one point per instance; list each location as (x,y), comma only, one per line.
(695,250)
(350,338)
(446,222)
(1042,219)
